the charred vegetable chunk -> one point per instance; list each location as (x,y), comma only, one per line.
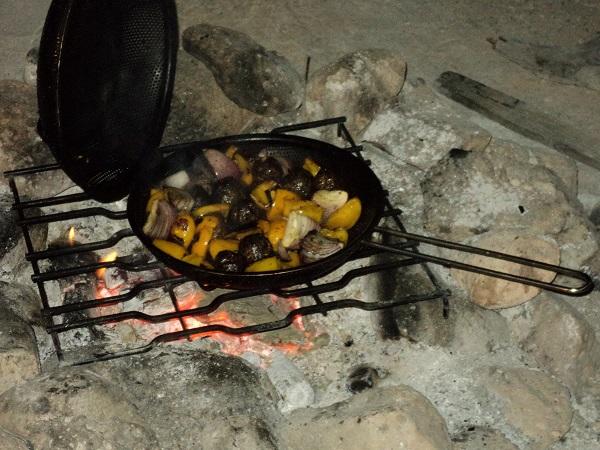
(325,180)
(229,261)
(229,191)
(267,168)
(261,193)
(299,181)
(311,167)
(183,229)
(205,232)
(255,247)
(216,246)
(243,214)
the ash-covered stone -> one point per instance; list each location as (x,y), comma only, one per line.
(253,77)
(562,342)
(480,438)
(357,86)
(19,360)
(495,293)
(74,408)
(531,402)
(419,129)
(362,377)
(395,417)
(22,300)
(31,63)
(186,395)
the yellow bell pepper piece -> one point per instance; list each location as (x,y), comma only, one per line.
(346,216)
(311,166)
(170,248)
(183,229)
(281,197)
(195,260)
(339,234)
(242,234)
(293,262)
(242,163)
(265,265)
(222,208)
(264,226)
(218,245)
(276,231)
(155,194)
(205,233)
(259,193)
(305,207)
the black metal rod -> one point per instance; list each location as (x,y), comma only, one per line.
(77,214)
(90,268)
(32,170)
(308,125)
(91,246)
(310,290)
(585,288)
(266,327)
(51,201)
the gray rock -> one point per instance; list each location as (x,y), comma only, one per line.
(253,77)
(188,385)
(496,293)
(19,360)
(384,418)
(199,108)
(505,187)
(476,438)
(74,408)
(22,300)
(562,342)
(241,432)
(532,403)
(358,86)
(31,63)
(419,129)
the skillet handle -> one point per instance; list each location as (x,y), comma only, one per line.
(408,250)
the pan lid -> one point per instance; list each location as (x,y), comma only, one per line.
(105,80)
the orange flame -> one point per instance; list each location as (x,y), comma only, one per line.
(71,236)
(112,256)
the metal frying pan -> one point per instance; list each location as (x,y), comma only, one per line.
(357,178)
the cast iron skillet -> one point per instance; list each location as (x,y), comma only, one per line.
(353,174)
(355,177)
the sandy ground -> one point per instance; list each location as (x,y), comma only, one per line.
(432,35)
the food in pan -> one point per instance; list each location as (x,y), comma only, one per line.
(250,215)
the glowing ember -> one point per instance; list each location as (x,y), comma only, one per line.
(112,256)
(71,236)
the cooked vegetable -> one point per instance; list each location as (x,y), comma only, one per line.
(261,193)
(170,248)
(299,181)
(205,232)
(177,180)
(161,217)
(183,229)
(229,261)
(345,217)
(216,246)
(192,259)
(155,194)
(255,247)
(315,246)
(180,199)
(222,166)
(311,167)
(338,234)
(279,199)
(242,163)
(265,265)
(293,261)
(330,201)
(243,214)
(215,208)
(229,190)
(304,207)
(276,231)
(298,226)
(325,180)
(267,168)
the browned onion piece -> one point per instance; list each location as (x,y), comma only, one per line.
(221,164)
(315,246)
(161,217)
